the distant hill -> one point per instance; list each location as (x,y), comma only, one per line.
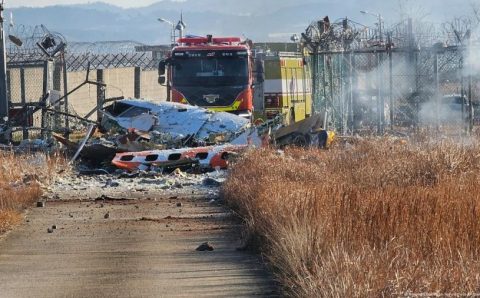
(266,20)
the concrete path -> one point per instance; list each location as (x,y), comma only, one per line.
(145,248)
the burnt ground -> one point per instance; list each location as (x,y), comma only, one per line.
(130,238)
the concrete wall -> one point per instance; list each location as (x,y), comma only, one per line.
(33,84)
(150,89)
(15,93)
(85,98)
(120,82)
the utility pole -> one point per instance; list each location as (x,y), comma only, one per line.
(172,29)
(3,72)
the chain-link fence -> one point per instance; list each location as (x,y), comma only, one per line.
(36,92)
(53,85)
(380,89)
(399,80)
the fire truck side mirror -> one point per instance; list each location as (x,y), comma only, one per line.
(162,80)
(162,67)
(260,69)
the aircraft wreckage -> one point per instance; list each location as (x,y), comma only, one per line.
(140,135)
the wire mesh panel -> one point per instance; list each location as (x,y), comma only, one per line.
(408,76)
(41,96)
(375,90)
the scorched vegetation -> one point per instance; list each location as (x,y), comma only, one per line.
(376,218)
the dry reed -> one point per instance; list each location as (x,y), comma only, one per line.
(374,219)
(21,177)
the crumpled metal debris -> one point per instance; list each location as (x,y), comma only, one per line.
(141,135)
(212,157)
(161,137)
(173,124)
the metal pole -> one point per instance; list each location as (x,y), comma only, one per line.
(24,100)
(412,72)
(100,93)
(350,92)
(314,76)
(137,83)
(462,94)
(437,91)
(380,27)
(380,104)
(352,87)
(470,100)
(390,75)
(3,72)
(324,78)
(390,72)
(46,67)
(343,94)
(65,93)
(330,77)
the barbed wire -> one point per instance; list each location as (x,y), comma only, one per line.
(346,34)
(104,47)
(79,55)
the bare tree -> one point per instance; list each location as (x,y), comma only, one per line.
(412,9)
(476,12)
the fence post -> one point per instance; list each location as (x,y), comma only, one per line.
(380,100)
(470,93)
(463,93)
(353,87)
(57,86)
(4,108)
(9,87)
(315,80)
(324,90)
(390,78)
(343,91)
(46,70)
(65,92)
(23,100)
(100,93)
(137,83)
(351,69)
(330,63)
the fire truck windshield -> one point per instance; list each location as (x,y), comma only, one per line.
(210,71)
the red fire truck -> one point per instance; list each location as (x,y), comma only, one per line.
(211,72)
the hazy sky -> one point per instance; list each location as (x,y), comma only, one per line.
(123,3)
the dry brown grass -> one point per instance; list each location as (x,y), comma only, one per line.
(21,177)
(378,218)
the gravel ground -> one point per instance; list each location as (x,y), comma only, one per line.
(106,236)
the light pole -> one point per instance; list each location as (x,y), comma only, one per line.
(380,20)
(172,32)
